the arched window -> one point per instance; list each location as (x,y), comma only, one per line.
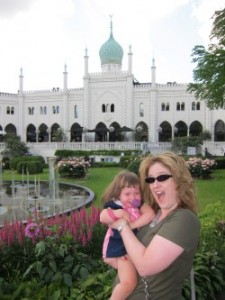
(163,107)
(8,110)
(178,105)
(112,107)
(45,110)
(41,110)
(57,109)
(193,105)
(182,106)
(167,106)
(103,107)
(75,111)
(141,110)
(198,106)
(12,110)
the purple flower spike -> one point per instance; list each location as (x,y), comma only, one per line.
(136,203)
(32,230)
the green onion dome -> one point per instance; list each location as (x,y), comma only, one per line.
(111,52)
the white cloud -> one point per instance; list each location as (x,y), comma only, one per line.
(10,8)
(42,35)
(203,11)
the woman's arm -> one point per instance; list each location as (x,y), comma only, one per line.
(151,260)
(147,214)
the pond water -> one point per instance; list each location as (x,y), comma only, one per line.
(20,200)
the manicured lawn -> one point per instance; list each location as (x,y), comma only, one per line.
(208,191)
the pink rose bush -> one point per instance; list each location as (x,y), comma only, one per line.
(201,168)
(76,167)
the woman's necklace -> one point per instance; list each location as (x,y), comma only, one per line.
(155,219)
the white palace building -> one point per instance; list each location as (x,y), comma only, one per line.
(112,109)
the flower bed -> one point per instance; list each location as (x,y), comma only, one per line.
(73,167)
(201,168)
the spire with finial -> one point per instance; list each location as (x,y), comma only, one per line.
(111,53)
(153,71)
(111,25)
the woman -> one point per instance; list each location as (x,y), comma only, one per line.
(164,250)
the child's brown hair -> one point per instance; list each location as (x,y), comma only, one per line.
(122,180)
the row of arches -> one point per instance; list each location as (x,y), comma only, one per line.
(166,131)
(114,132)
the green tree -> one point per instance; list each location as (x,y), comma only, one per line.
(60,135)
(209,74)
(180,144)
(14,147)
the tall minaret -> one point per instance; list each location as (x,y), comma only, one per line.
(65,105)
(65,78)
(21,81)
(153,73)
(130,60)
(21,129)
(87,117)
(86,62)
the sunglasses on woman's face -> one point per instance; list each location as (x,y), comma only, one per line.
(159,178)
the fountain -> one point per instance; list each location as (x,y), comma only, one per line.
(20,200)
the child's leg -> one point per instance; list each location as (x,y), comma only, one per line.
(127,279)
(112,261)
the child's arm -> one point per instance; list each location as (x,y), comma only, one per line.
(147,214)
(109,215)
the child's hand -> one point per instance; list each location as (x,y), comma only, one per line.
(122,213)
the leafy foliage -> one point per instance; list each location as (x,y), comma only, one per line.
(14,146)
(134,165)
(209,73)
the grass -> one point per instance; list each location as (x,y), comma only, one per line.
(208,191)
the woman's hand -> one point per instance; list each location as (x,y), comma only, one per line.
(119,223)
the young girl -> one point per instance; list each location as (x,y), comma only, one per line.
(123,200)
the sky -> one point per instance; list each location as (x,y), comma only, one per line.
(41,36)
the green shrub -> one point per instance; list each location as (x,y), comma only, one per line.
(134,165)
(220,163)
(13,162)
(104,164)
(209,266)
(78,153)
(125,160)
(33,167)
(5,163)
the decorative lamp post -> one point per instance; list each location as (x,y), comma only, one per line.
(48,130)
(37,135)
(110,130)
(84,131)
(175,131)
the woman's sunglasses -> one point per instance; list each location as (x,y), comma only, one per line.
(159,178)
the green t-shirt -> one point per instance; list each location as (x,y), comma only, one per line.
(181,227)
